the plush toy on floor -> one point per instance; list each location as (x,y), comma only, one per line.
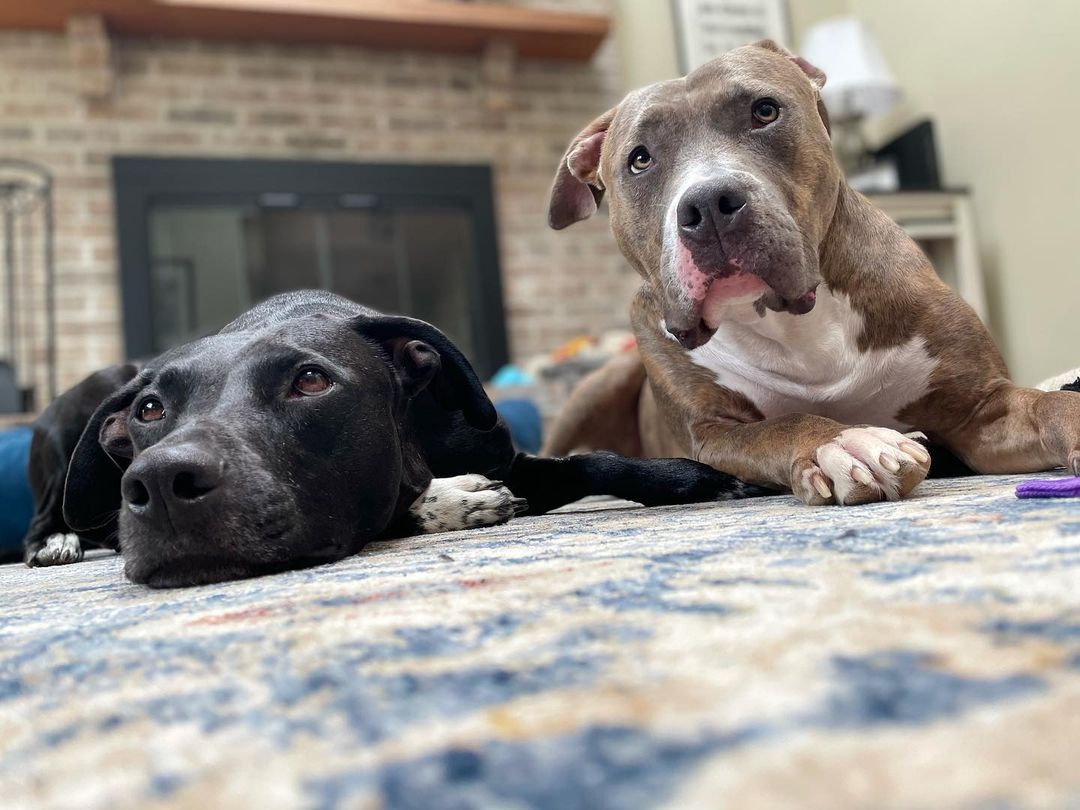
(1055,488)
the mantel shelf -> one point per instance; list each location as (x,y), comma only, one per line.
(431,25)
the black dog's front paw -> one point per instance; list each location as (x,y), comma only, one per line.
(464,502)
(59,549)
(732,488)
(701,483)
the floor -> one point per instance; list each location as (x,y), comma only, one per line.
(748,654)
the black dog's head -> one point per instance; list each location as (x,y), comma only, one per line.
(280,442)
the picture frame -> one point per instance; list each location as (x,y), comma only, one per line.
(707,28)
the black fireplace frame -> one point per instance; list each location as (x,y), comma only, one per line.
(140,181)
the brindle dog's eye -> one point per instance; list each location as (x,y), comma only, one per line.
(311,382)
(765,110)
(640,160)
(151,410)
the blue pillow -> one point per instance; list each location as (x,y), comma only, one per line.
(16,502)
(523,418)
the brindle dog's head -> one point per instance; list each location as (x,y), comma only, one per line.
(723,185)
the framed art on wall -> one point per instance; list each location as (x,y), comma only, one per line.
(707,28)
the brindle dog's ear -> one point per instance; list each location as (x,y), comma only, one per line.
(577,189)
(815,74)
(424,357)
(92,488)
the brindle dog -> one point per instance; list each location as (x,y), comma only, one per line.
(789,329)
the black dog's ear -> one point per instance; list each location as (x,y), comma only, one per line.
(425,357)
(92,488)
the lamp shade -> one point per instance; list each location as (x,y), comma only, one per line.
(859,81)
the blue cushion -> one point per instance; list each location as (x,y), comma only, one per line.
(16,502)
(523,418)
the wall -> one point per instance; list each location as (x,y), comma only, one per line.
(999,80)
(201,99)
(645,37)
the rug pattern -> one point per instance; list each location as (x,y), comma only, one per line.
(749,654)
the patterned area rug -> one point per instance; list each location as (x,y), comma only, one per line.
(752,654)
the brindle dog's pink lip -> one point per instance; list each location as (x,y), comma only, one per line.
(689,326)
(700,332)
(729,266)
(729,270)
(770,297)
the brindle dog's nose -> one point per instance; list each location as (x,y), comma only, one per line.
(709,208)
(181,482)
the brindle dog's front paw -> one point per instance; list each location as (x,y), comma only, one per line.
(861,465)
(59,549)
(464,502)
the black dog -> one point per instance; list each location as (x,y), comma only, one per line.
(304,429)
(49,540)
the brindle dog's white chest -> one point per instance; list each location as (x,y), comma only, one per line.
(811,363)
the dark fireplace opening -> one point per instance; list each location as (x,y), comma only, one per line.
(202,240)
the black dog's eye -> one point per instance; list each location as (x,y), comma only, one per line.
(311,382)
(151,410)
(765,111)
(639,160)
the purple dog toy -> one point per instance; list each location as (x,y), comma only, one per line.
(1055,488)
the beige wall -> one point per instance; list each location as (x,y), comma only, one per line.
(645,38)
(999,79)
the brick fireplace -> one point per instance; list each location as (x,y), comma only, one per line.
(199,99)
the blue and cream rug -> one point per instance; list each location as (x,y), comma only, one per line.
(753,654)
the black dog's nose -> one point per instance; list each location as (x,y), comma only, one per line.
(709,208)
(176,480)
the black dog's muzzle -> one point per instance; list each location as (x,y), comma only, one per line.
(179,484)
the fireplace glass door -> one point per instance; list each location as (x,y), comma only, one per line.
(213,250)
(210,262)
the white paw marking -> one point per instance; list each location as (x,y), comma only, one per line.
(59,549)
(870,457)
(463,502)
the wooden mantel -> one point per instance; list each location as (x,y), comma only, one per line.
(433,25)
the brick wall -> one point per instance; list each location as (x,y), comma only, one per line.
(180,98)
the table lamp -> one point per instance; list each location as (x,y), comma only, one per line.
(858,84)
